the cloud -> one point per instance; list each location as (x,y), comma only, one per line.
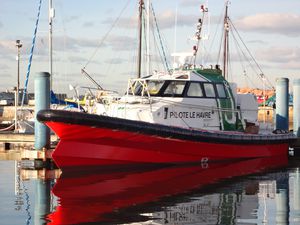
(165,20)
(280,54)
(282,57)
(280,23)
(6,76)
(7,47)
(121,43)
(4,67)
(76,42)
(189,3)
(115,61)
(126,23)
(257,42)
(88,24)
(79,60)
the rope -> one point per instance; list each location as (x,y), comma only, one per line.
(247,49)
(31,53)
(106,35)
(8,128)
(160,39)
(239,52)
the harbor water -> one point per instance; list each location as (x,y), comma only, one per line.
(255,191)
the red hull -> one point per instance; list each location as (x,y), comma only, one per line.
(92,197)
(85,145)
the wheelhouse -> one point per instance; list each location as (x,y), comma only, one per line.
(179,89)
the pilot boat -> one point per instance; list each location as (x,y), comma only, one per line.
(187,115)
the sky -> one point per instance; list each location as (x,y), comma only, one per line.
(101,36)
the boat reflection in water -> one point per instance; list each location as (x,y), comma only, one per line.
(173,194)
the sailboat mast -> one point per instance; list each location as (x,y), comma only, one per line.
(226,43)
(148,37)
(51,16)
(140,39)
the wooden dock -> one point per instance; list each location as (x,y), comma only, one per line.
(20,147)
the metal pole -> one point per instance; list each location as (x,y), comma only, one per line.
(51,16)
(140,39)
(282,103)
(148,37)
(19,45)
(16,110)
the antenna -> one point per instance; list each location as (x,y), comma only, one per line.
(175,35)
(226,42)
(198,36)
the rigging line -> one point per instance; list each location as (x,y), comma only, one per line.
(220,47)
(166,49)
(237,46)
(244,56)
(107,33)
(222,36)
(229,63)
(160,56)
(239,53)
(249,61)
(160,39)
(214,38)
(250,53)
(158,50)
(31,53)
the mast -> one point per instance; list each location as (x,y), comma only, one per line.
(226,42)
(148,37)
(51,16)
(198,33)
(140,39)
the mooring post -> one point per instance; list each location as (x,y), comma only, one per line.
(296,107)
(42,201)
(282,206)
(282,103)
(42,101)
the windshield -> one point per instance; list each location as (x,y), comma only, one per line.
(154,87)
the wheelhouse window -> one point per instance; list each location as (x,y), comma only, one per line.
(195,90)
(139,88)
(209,90)
(154,86)
(174,88)
(221,91)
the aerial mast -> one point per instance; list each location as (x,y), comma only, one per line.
(198,33)
(226,42)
